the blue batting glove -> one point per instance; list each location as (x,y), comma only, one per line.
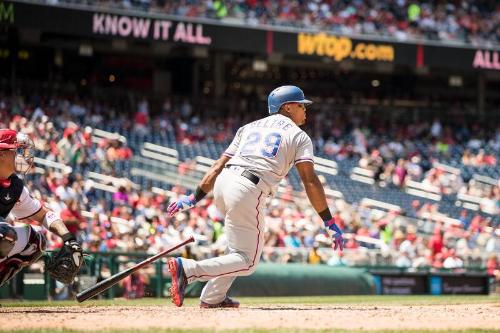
(183,203)
(337,239)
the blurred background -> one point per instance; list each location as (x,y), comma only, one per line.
(130,101)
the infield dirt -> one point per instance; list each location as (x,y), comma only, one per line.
(284,316)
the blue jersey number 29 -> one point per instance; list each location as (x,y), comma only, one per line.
(268,147)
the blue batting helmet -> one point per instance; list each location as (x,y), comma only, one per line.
(285,94)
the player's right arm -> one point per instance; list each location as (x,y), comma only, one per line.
(316,195)
(304,162)
(208,181)
(312,185)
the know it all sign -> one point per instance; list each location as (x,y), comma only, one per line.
(486,59)
(147,28)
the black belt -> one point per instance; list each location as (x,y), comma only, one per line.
(248,175)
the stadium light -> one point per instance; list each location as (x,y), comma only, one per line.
(455,81)
(86,50)
(259,65)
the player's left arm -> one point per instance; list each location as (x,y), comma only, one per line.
(66,263)
(208,181)
(29,208)
(53,223)
(205,186)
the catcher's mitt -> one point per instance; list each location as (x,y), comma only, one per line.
(66,263)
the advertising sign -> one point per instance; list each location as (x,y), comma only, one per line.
(401,284)
(87,23)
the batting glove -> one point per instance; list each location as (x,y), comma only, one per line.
(337,239)
(183,203)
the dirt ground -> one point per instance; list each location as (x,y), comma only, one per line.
(484,316)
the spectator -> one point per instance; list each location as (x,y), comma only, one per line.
(492,266)
(314,256)
(121,197)
(72,218)
(292,240)
(453,261)
(135,284)
(436,243)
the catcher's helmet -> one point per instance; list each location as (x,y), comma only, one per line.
(8,139)
(24,146)
(285,94)
(8,238)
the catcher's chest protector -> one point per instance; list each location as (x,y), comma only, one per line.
(10,195)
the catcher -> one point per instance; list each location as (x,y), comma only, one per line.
(21,245)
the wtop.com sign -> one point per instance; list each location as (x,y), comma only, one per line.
(145,28)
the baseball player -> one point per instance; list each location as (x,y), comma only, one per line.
(250,170)
(21,245)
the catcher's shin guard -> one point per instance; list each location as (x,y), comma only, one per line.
(31,253)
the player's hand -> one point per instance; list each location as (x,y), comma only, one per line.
(337,239)
(182,203)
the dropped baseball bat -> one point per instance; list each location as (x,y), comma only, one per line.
(114,279)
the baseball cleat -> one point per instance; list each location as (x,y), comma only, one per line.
(179,280)
(226,303)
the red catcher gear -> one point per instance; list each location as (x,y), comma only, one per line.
(24,146)
(8,139)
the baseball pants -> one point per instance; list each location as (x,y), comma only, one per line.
(243,203)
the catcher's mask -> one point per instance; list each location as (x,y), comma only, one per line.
(24,153)
(22,145)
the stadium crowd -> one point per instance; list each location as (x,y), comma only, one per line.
(134,219)
(475,22)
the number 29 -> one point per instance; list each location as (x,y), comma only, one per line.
(267,147)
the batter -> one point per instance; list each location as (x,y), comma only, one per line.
(249,171)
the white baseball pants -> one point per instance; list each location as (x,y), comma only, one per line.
(243,204)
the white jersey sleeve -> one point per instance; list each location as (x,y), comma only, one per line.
(26,206)
(235,144)
(305,149)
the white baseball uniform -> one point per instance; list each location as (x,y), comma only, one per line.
(25,207)
(268,148)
